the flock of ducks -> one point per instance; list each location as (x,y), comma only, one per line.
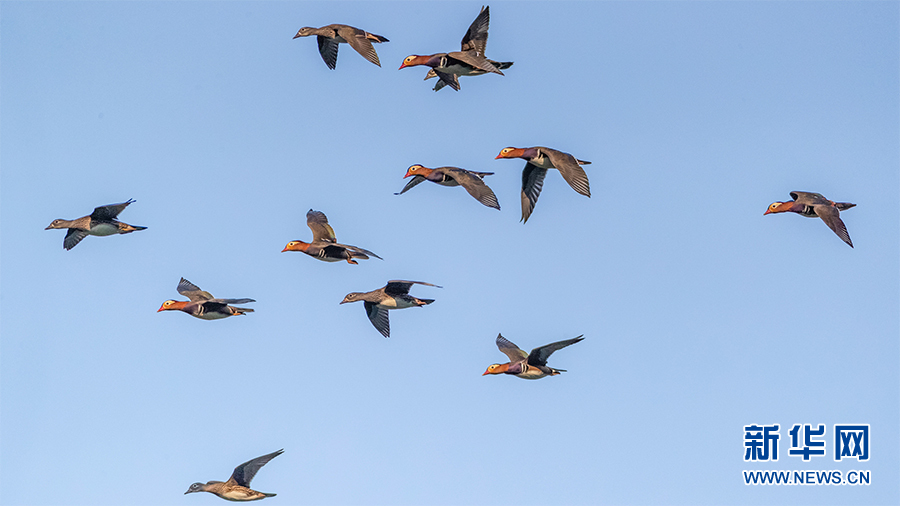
(447,67)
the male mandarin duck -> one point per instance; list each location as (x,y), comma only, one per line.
(202,304)
(394,295)
(528,365)
(812,205)
(474,39)
(540,159)
(324,245)
(101,222)
(331,35)
(453,176)
(237,488)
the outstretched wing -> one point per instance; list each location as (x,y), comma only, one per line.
(73,237)
(401,287)
(192,291)
(362,45)
(244,473)
(477,34)
(318,223)
(379,318)
(446,80)
(512,351)
(328,48)
(109,212)
(539,356)
(475,186)
(570,169)
(476,60)
(532,183)
(832,217)
(809,198)
(412,182)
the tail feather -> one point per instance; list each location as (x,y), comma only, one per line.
(843,206)
(425,302)
(241,310)
(375,38)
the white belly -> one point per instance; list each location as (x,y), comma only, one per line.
(397,304)
(104,229)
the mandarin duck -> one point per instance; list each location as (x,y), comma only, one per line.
(474,39)
(540,159)
(202,304)
(237,488)
(453,176)
(331,35)
(528,365)
(812,205)
(394,295)
(324,246)
(101,222)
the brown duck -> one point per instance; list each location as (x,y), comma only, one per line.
(540,159)
(202,304)
(101,222)
(453,176)
(814,205)
(324,245)
(331,35)
(237,488)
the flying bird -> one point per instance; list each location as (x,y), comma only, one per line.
(540,159)
(324,245)
(528,365)
(202,304)
(394,295)
(474,39)
(469,61)
(237,488)
(814,205)
(101,222)
(453,176)
(330,36)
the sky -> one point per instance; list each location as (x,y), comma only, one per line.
(700,315)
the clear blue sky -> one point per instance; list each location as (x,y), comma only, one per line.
(700,315)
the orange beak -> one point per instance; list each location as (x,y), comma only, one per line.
(498,156)
(402,66)
(485,373)
(161,308)
(767,212)
(285,249)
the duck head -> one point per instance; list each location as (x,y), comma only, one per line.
(496,369)
(778,207)
(172,305)
(306,31)
(417,170)
(413,60)
(57,224)
(196,487)
(296,246)
(351,297)
(510,153)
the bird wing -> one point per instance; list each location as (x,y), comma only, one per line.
(192,291)
(809,198)
(396,287)
(532,183)
(446,80)
(832,217)
(244,473)
(318,223)
(475,186)
(539,356)
(328,48)
(570,169)
(512,351)
(73,237)
(109,212)
(358,41)
(477,34)
(379,318)
(357,249)
(476,60)
(412,182)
